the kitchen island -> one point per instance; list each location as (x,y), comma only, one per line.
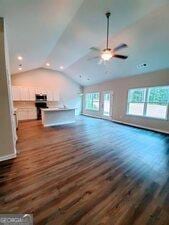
(57,116)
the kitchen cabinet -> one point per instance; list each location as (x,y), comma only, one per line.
(49,95)
(28,94)
(15,114)
(16,93)
(20,93)
(32,114)
(15,124)
(24,94)
(32,93)
(55,96)
(27,114)
(41,91)
(22,114)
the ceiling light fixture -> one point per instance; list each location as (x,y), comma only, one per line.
(47,64)
(61,67)
(20,68)
(20,58)
(106,55)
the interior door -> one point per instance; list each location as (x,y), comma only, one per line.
(106,104)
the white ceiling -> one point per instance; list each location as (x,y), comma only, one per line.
(61,32)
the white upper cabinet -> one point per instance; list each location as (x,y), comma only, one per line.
(28,94)
(49,95)
(55,96)
(32,93)
(41,91)
(20,93)
(16,93)
(24,92)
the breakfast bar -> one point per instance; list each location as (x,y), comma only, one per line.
(57,116)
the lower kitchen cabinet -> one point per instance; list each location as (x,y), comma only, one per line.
(27,114)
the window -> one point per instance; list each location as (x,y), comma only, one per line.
(92,101)
(157,102)
(150,102)
(136,101)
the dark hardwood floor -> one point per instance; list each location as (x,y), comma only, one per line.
(93,172)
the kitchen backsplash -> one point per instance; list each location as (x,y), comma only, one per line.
(28,104)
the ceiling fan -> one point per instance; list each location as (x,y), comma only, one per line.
(108,53)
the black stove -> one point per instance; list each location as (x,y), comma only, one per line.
(41,102)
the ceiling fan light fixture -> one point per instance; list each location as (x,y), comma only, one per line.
(106,55)
(109,53)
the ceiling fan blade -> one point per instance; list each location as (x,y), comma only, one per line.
(95,49)
(95,57)
(119,47)
(120,56)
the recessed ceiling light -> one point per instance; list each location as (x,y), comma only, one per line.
(20,58)
(47,64)
(20,68)
(61,67)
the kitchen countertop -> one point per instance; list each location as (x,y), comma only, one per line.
(56,109)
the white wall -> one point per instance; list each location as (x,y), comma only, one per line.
(7,141)
(120,89)
(46,78)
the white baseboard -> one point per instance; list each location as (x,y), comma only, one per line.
(130,124)
(7,157)
(143,127)
(98,117)
(85,114)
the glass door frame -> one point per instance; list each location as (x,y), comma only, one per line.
(102,104)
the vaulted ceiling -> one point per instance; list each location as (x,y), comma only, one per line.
(61,32)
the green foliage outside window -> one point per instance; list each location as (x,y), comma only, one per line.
(137,95)
(159,95)
(92,101)
(149,102)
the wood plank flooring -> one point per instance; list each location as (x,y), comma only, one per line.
(93,172)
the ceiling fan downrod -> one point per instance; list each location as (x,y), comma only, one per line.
(108,16)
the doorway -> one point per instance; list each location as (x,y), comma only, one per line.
(106,104)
